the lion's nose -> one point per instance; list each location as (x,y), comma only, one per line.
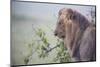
(55,33)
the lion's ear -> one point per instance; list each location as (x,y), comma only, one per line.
(72,16)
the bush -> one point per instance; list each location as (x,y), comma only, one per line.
(43,49)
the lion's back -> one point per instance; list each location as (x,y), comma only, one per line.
(88,45)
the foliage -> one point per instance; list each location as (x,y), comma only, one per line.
(62,54)
(43,49)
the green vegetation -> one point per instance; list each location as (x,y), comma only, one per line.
(43,48)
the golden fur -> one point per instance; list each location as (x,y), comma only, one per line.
(78,35)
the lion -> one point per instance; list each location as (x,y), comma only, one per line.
(78,34)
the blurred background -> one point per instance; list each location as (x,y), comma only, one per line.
(32,32)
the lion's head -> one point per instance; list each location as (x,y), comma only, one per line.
(69,21)
(65,23)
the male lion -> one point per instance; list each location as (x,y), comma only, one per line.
(78,33)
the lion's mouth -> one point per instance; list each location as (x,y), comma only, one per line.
(60,36)
(63,37)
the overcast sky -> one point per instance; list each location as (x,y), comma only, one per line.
(44,10)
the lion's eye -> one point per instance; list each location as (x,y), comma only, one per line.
(59,23)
